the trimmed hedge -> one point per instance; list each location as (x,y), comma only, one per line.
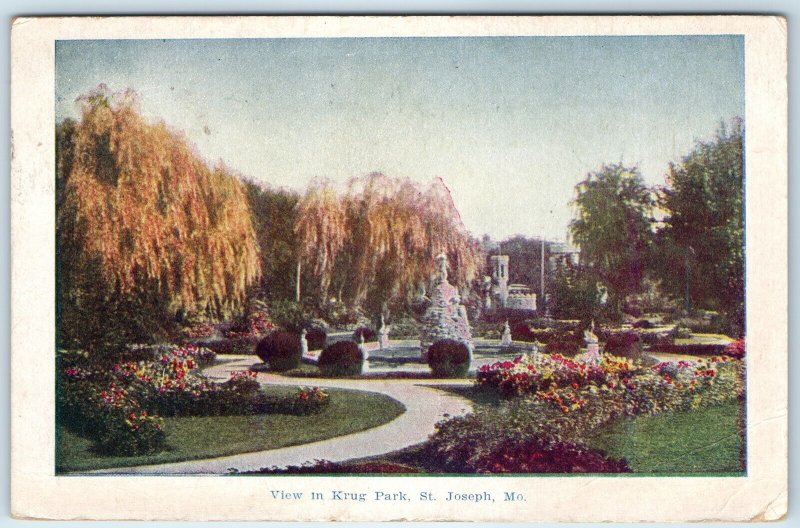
(628,345)
(692,349)
(343,358)
(448,358)
(281,350)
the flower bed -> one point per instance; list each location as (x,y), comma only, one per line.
(120,408)
(554,402)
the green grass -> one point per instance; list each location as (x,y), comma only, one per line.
(704,339)
(702,441)
(213,436)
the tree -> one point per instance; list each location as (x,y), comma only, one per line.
(576,295)
(375,244)
(612,228)
(274,215)
(702,238)
(143,221)
(321,227)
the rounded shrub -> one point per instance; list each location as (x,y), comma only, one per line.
(626,344)
(566,346)
(448,358)
(369,334)
(342,358)
(281,350)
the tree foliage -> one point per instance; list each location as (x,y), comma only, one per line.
(702,239)
(274,213)
(140,214)
(612,228)
(375,243)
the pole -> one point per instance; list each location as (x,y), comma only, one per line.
(541,272)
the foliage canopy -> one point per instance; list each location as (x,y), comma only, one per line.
(141,214)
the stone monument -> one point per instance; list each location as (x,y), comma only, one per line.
(505,340)
(446,317)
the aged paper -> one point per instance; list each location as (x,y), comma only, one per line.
(50,60)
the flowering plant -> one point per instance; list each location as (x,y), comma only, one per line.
(736,349)
(557,401)
(256,324)
(309,401)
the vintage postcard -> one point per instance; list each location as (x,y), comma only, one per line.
(403,268)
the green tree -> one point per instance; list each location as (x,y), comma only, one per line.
(701,243)
(576,295)
(274,215)
(612,228)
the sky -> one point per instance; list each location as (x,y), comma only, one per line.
(511,124)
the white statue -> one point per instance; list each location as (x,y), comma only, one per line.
(505,340)
(303,342)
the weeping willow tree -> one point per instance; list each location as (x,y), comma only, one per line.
(376,243)
(321,230)
(143,221)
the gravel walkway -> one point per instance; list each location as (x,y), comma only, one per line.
(424,404)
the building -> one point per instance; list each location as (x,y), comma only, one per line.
(498,293)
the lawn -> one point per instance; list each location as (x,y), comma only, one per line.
(213,436)
(702,441)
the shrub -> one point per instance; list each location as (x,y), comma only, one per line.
(327,467)
(522,332)
(281,350)
(626,344)
(370,336)
(736,349)
(254,324)
(448,358)
(343,358)
(568,346)
(405,328)
(693,349)
(304,402)
(110,417)
(534,456)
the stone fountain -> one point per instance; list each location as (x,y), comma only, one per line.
(446,317)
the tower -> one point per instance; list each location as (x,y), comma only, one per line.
(500,276)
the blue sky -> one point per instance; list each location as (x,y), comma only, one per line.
(510,124)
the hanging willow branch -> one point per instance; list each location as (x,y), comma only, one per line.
(379,239)
(141,203)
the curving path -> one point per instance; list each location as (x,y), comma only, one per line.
(424,404)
